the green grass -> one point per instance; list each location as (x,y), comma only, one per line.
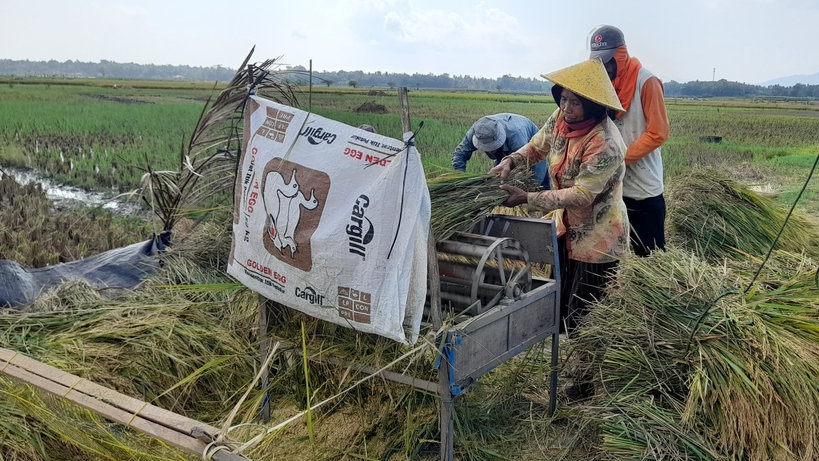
(96,138)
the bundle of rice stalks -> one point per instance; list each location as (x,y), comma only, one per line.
(203,245)
(639,428)
(719,218)
(61,430)
(460,200)
(19,439)
(729,373)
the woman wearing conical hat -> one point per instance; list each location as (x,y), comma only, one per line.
(586,154)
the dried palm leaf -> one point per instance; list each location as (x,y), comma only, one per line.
(208,160)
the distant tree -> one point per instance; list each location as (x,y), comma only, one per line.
(507,83)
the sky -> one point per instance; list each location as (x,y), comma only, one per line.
(748,41)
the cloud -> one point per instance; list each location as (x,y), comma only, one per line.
(476,40)
(442,28)
(423,27)
(297,32)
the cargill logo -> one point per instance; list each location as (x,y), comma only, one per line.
(310,295)
(360,230)
(318,135)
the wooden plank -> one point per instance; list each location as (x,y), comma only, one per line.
(155,430)
(264,350)
(400,378)
(403,100)
(109,396)
(174,429)
(446,422)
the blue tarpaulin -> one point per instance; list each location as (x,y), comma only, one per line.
(122,268)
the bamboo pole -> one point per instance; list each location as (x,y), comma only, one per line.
(177,430)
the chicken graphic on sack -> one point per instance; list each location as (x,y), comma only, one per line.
(283,203)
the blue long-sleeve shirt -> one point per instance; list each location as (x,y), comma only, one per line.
(519,130)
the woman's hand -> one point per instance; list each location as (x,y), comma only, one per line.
(502,169)
(516,197)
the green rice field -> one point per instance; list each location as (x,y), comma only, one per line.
(102,134)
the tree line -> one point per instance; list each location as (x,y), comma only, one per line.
(113,70)
(341,78)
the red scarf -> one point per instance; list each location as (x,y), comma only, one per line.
(577,129)
(625,83)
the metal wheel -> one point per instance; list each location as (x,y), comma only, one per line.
(481,269)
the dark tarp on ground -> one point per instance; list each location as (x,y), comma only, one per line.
(122,267)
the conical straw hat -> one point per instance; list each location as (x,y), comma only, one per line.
(588,79)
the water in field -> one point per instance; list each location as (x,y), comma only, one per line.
(62,194)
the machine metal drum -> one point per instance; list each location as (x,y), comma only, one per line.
(477,271)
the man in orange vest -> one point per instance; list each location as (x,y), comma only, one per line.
(644,127)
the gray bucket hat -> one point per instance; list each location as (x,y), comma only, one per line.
(604,41)
(488,135)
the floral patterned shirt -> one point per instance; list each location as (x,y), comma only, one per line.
(586,199)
